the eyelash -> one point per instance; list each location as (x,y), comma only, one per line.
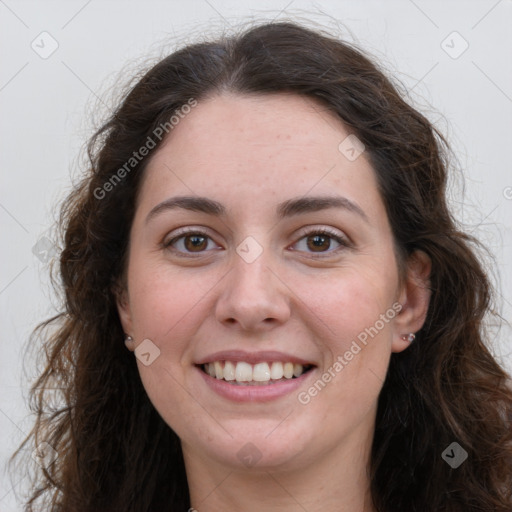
(344,243)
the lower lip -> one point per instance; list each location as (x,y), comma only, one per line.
(259,393)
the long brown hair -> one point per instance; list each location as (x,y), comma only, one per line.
(114,451)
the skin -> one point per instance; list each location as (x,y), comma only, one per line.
(251,153)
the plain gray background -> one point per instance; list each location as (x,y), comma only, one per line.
(452,56)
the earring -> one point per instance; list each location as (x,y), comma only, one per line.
(409,337)
(128,340)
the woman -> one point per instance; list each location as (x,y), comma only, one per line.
(265,226)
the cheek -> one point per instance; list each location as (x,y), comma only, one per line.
(167,308)
(347,302)
(352,322)
(165,300)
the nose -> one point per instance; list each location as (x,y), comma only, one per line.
(253,297)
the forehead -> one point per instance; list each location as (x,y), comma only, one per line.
(257,126)
(258,148)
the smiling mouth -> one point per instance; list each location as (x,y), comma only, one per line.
(245,374)
(261,374)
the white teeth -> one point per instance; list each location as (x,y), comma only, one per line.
(243,372)
(288,370)
(261,372)
(276,371)
(211,369)
(218,370)
(229,371)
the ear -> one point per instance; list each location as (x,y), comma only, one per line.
(414,298)
(123,307)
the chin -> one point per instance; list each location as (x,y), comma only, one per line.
(257,450)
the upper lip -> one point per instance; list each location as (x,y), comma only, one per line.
(252,357)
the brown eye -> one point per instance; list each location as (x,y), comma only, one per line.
(188,243)
(195,242)
(320,242)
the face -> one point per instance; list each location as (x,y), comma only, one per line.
(257,282)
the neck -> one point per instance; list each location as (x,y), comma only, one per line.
(336,481)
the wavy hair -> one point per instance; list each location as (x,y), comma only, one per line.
(115,453)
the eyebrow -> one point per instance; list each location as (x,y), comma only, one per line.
(289,208)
